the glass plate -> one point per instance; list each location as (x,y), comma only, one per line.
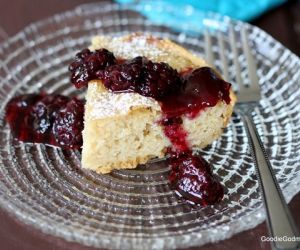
(46,187)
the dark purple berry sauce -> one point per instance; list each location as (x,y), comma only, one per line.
(191,175)
(87,63)
(201,88)
(177,135)
(179,94)
(51,119)
(58,120)
(192,178)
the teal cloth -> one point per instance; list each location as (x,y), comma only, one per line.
(245,10)
(187,16)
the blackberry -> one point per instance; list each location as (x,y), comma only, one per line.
(142,76)
(68,124)
(158,80)
(192,178)
(123,77)
(87,63)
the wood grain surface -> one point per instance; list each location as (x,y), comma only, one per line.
(283,23)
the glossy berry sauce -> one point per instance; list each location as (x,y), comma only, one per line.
(191,175)
(87,63)
(51,119)
(180,95)
(201,88)
(192,178)
(58,120)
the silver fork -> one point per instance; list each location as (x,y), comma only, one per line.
(280,222)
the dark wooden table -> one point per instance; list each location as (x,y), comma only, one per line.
(282,23)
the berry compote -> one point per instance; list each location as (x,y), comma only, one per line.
(51,119)
(86,63)
(179,95)
(58,120)
(192,178)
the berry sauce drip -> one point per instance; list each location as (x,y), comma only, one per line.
(51,119)
(177,135)
(179,95)
(201,88)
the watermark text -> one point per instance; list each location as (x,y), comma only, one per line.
(280,239)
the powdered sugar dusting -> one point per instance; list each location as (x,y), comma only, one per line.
(103,104)
(130,47)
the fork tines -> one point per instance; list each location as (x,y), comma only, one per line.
(245,92)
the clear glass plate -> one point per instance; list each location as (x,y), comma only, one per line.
(45,186)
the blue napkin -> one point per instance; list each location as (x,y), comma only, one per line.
(188,16)
(244,10)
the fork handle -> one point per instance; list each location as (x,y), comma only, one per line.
(279,219)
